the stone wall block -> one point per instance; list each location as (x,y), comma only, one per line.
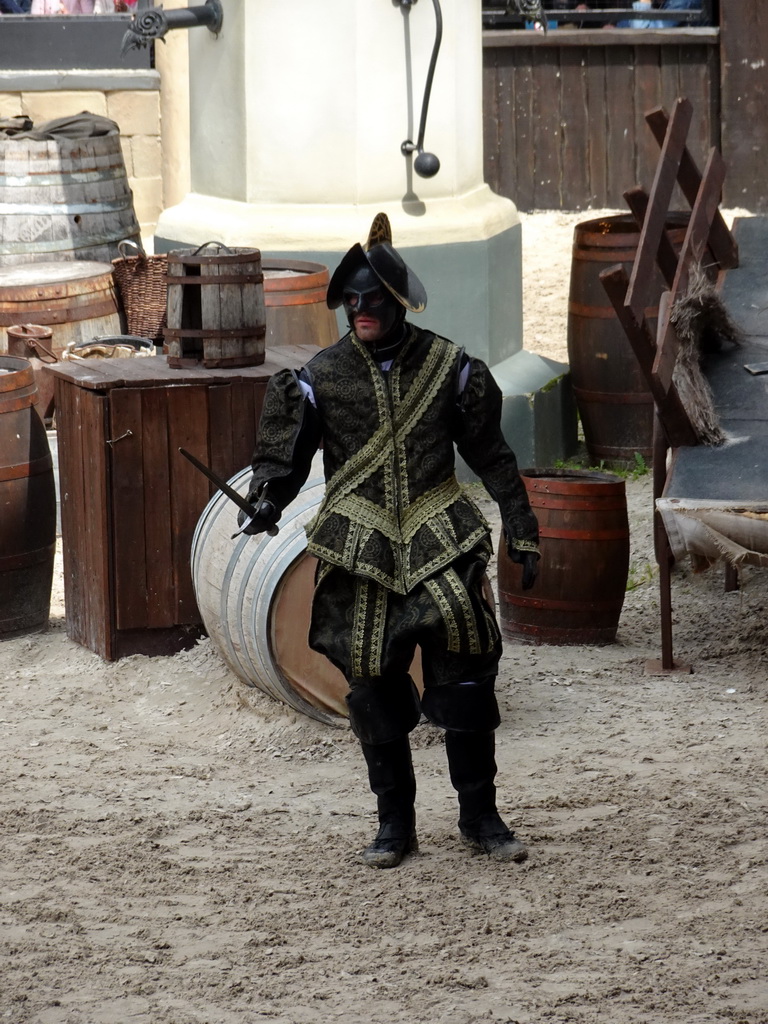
(137,113)
(146,156)
(10,104)
(45,106)
(127,149)
(147,199)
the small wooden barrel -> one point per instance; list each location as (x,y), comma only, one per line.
(215,307)
(294,298)
(75,298)
(35,343)
(27,504)
(63,199)
(613,398)
(584,541)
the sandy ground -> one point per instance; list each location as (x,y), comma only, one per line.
(177,848)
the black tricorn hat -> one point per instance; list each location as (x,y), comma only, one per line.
(390,268)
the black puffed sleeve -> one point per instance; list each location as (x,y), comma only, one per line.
(481,444)
(287,439)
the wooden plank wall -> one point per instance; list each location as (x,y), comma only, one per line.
(744,76)
(564,114)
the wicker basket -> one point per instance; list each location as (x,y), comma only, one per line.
(142,291)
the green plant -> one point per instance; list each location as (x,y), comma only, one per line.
(645,572)
(639,469)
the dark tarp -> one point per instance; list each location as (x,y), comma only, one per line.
(79,126)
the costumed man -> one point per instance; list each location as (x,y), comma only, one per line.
(401,548)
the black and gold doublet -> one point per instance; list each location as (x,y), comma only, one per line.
(394,517)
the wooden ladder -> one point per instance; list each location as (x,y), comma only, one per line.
(629,295)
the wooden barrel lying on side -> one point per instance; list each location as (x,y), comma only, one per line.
(294,300)
(254,596)
(27,504)
(584,541)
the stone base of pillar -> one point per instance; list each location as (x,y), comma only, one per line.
(466,250)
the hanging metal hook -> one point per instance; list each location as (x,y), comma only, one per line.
(426,165)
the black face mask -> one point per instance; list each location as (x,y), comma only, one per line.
(364,293)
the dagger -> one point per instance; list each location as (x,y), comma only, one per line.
(251,510)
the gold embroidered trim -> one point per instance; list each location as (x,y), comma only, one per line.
(456,613)
(404,579)
(368,628)
(367,513)
(525,545)
(461,594)
(429,505)
(421,512)
(375,637)
(446,614)
(359,568)
(358,627)
(324,569)
(421,394)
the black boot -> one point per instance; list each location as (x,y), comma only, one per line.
(472,766)
(390,772)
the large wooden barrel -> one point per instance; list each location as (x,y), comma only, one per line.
(294,300)
(579,592)
(63,199)
(254,596)
(613,399)
(215,307)
(27,504)
(75,298)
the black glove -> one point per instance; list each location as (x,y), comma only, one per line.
(530,563)
(264,519)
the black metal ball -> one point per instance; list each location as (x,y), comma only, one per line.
(426,165)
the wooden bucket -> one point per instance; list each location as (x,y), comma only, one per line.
(613,399)
(75,298)
(584,540)
(294,300)
(35,343)
(63,198)
(215,312)
(27,504)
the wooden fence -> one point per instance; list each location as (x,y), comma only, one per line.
(564,112)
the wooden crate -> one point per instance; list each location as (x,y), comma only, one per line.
(130,502)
